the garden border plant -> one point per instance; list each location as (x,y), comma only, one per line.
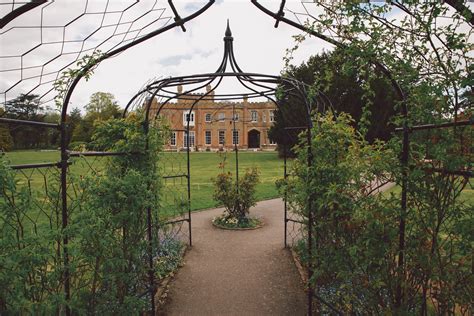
(62,300)
(107,228)
(237,197)
(428,62)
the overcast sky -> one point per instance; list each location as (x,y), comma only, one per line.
(258,46)
(29,51)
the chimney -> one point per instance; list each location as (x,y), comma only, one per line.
(208,88)
(246,99)
(180,89)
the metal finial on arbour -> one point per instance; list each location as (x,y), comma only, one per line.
(228,33)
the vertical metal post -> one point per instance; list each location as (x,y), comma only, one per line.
(236,149)
(310,228)
(403,211)
(285,176)
(188,155)
(151,270)
(64,211)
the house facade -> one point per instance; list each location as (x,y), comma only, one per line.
(217,125)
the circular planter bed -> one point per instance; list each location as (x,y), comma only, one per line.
(224,222)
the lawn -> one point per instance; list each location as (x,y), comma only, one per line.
(204,166)
(467,195)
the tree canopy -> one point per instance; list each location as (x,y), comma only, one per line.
(101,107)
(344,88)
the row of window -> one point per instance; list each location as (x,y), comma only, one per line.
(191,139)
(207,138)
(221,117)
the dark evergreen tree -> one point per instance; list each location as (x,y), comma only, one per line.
(26,107)
(342,83)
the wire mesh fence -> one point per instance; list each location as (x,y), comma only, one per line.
(40,43)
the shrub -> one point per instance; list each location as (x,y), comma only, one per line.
(108,248)
(355,244)
(354,231)
(237,197)
(78,146)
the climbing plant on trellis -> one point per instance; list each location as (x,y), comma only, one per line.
(66,263)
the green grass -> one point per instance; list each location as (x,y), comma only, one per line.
(204,166)
(467,195)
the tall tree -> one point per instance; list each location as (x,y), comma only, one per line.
(53,136)
(101,107)
(425,48)
(344,88)
(73,120)
(26,107)
(6,140)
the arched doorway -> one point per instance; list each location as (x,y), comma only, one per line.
(254,139)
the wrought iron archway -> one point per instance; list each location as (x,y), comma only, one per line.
(255,85)
(261,85)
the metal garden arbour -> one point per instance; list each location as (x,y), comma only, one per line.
(64,162)
(256,85)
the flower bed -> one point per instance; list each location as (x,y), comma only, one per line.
(228,222)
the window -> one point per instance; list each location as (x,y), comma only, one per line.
(264,118)
(272,142)
(221,137)
(272,116)
(235,137)
(221,116)
(190,116)
(208,137)
(191,139)
(208,117)
(236,117)
(173,139)
(254,116)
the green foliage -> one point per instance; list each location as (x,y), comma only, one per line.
(29,108)
(85,69)
(30,258)
(73,120)
(423,48)
(368,99)
(237,197)
(355,229)
(101,107)
(226,221)
(26,107)
(355,246)
(6,140)
(108,247)
(112,218)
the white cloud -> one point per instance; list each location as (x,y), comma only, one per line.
(258,46)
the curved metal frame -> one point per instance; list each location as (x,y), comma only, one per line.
(405,130)
(64,163)
(256,85)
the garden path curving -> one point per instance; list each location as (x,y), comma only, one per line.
(237,272)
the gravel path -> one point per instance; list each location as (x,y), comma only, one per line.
(238,272)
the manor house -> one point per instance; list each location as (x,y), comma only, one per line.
(217,125)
